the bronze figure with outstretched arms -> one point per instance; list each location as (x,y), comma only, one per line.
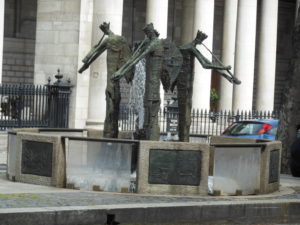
(152,49)
(118,52)
(185,79)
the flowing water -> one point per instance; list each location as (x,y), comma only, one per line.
(137,90)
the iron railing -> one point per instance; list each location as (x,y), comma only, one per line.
(203,122)
(34,106)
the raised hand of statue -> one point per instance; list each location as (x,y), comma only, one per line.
(228,67)
(200,37)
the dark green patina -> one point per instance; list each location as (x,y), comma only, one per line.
(158,54)
(185,79)
(118,52)
(37,158)
(171,167)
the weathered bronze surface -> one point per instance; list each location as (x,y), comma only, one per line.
(118,52)
(184,84)
(175,167)
(37,158)
(185,81)
(162,62)
(274,166)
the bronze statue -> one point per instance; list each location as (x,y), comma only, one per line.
(185,79)
(118,52)
(156,51)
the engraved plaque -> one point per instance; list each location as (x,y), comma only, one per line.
(174,167)
(172,125)
(37,158)
(274,166)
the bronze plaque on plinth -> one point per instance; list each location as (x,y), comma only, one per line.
(37,158)
(274,166)
(174,167)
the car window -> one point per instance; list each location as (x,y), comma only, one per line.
(244,128)
(273,131)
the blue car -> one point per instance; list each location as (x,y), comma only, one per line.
(258,129)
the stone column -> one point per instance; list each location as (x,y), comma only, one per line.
(187,23)
(104,11)
(2,11)
(228,51)
(267,55)
(203,20)
(157,13)
(81,90)
(245,54)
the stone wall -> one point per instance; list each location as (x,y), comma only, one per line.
(18,60)
(19,44)
(20,18)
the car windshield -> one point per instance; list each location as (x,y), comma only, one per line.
(244,128)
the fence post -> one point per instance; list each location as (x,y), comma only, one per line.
(59,93)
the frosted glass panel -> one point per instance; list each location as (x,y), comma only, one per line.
(106,165)
(237,168)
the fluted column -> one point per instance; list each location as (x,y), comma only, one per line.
(187,22)
(104,11)
(228,51)
(203,20)
(245,54)
(267,55)
(157,13)
(2,8)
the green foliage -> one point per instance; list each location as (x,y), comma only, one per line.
(214,96)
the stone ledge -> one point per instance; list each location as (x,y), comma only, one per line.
(254,212)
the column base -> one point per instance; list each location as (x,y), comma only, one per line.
(96,124)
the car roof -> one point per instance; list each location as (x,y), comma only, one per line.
(269,121)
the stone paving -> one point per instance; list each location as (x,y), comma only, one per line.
(91,199)
(29,204)
(20,195)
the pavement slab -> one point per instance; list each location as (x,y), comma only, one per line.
(37,204)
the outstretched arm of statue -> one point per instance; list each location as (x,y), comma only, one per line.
(231,78)
(206,64)
(93,55)
(221,68)
(136,57)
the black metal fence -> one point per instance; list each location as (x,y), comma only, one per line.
(203,122)
(34,105)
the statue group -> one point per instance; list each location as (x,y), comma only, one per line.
(166,63)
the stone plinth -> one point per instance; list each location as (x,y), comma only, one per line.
(173,168)
(52,156)
(39,159)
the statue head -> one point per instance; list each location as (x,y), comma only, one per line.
(105,27)
(200,37)
(150,31)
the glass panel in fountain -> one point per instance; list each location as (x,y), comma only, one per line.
(237,170)
(101,165)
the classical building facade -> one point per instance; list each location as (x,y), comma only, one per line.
(253,36)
